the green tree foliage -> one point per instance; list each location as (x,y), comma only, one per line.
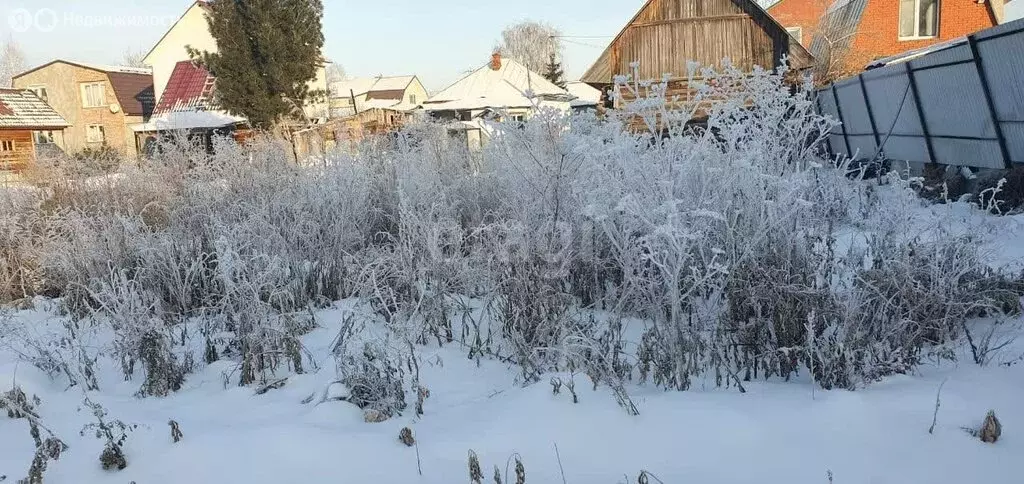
(267,52)
(554,72)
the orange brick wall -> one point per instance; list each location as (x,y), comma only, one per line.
(879,31)
(878,35)
(805,14)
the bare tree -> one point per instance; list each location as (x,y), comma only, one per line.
(12,62)
(133,58)
(531,43)
(834,45)
(335,73)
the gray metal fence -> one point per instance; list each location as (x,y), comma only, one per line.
(958,105)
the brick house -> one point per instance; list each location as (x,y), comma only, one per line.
(865,30)
(99,102)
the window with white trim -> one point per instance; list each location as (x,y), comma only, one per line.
(919,19)
(94,95)
(94,133)
(797,33)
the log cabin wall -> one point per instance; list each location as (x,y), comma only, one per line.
(667,34)
(17,150)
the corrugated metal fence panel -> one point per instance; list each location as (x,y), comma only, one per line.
(855,117)
(894,106)
(1003,61)
(954,103)
(960,53)
(960,152)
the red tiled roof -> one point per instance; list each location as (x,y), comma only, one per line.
(190,88)
(23,109)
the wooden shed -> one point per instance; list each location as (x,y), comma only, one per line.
(22,113)
(666,35)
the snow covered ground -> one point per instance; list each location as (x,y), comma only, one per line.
(776,432)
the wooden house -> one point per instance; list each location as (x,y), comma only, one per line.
(22,115)
(666,35)
(99,102)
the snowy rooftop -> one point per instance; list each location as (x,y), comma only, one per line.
(585,94)
(23,109)
(486,87)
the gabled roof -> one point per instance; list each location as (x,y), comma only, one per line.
(506,87)
(21,108)
(133,86)
(599,72)
(95,67)
(188,102)
(190,88)
(365,85)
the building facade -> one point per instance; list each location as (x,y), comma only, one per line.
(856,32)
(99,102)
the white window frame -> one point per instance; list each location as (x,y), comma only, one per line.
(102,95)
(917,22)
(412,99)
(45,96)
(6,145)
(797,33)
(89,131)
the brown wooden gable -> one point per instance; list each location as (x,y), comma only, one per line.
(666,34)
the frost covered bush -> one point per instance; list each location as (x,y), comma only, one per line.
(714,241)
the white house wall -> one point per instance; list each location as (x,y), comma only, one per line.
(192,30)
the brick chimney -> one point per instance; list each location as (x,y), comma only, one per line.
(496,61)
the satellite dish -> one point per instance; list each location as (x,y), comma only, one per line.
(114,108)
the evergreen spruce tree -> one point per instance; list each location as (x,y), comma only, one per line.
(554,72)
(267,52)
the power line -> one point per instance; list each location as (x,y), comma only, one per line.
(584,44)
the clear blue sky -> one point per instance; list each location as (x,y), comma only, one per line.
(435,39)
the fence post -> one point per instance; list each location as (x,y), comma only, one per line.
(842,122)
(871,113)
(976,57)
(920,113)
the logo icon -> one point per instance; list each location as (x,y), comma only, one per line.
(20,20)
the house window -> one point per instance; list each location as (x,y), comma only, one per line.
(519,118)
(40,92)
(7,145)
(412,99)
(919,19)
(94,133)
(44,137)
(94,95)
(797,33)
